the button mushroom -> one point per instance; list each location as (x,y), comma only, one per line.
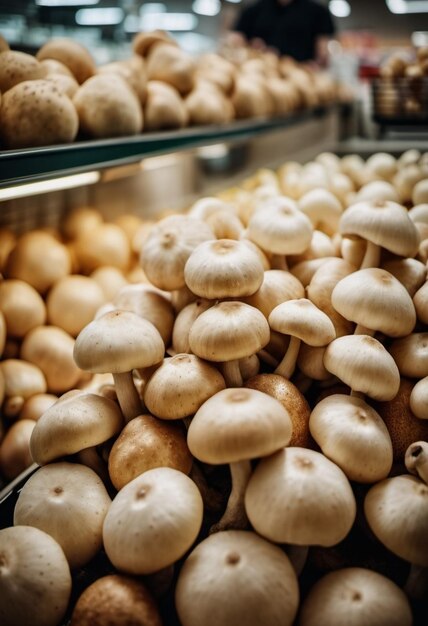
(416,460)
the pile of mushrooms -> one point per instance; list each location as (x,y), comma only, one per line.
(252,446)
(402,85)
(60,94)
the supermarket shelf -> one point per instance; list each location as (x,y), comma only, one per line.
(29,165)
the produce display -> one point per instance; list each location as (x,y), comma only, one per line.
(60,94)
(228,406)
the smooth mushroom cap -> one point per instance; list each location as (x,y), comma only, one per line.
(228,331)
(236,577)
(299,496)
(357,597)
(420,192)
(278,286)
(377,191)
(110,279)
(373,298)
(168,246)
(69,502)
(323,209)
(396,510)
(291,399)
(180,386)
(116,342)
(382,164)
(410,272)
(411,355)
(224,268)
(419,213)
(419,399)
(238,424)
(35,580)
(420,300)
(364,364)
(35,406)
(386,224)
(22,307)
(115,599)
(73,423)
(302,319)
(152,521)
(146,443)
(354,436)
(278,226)
(22,378)
(184,322)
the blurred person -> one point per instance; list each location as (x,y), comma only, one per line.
(297,28)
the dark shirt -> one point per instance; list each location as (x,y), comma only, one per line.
(292,28)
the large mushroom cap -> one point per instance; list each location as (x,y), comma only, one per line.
(238,424)
(302,319)
(397,512)
(116,342)
(411,355)
(299,496)
(278,286)
(227,331)
(236,577)
(356,597)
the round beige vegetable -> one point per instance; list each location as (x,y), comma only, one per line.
(108,107)
(236,577)
(15,454)
(419,398)
(171,65)
(3,44)
(135,75)
(106,244)
(72,303)
(278,286)
(22,307)
(416,460)
(22,378)
(152,521)
(35,406)
(164,107)
(37,113)
(15,67)
(80,219)
(72,54)
(35,580)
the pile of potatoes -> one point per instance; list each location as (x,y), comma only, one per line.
(247,438)
(60,93)
(403,85)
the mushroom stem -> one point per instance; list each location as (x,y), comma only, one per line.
(235,516)
(371,256)
(232,373)
(127,395)
(91,458)
(356,394)
(303,383)
(279,262)
(363,330)
(298,556)
(416,460)
(267,358)
(288,363)
(213,499)
(416,586)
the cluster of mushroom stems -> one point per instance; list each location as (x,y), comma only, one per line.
(280,332)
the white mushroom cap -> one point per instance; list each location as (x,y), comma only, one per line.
(152,521)
(69,502)
(382,164)
(377,190)
(302,319)
(299,496)
(355,597)
(278,286)
(35,580)
(236,577)
(419,399)
(411,355)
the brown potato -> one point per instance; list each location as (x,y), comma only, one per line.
(135,75)
(65,84)
(164,107)
(171,65)
(72,54)
(15,67)
(3,44)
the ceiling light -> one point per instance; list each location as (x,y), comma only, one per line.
(168,21)
(44,186)
(66,3)
(152,7)
(401,7)
(207,7)
(108,16)
(340,8)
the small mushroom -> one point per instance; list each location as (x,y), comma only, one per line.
(416,460)
(22,379)
(236,577)
(356,596)
(377,191)
(419,399)
(410,272)
(35,406)
(106,244)
(146,443)
(322,208)
(420,192)
(152,521)
(72,54)
(113,600)
(420,300)
(22,307)
(184,322)
(35,580)
(69,502)
(278,510)
(278,286)
(411,355)
(15,454)
(110,279)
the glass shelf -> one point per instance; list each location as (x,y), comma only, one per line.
(34,164)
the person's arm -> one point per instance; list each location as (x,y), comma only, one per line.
(245,23)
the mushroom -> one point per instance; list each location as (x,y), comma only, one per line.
(37,113)
(35,580)
(303,321)
(164,107)
(152,521)
(115,599)
(146,443)
(420,300)
(410,272)
(364,364)
(419,213)
(51,349)
(383,224)
(106,244)
(76,421)
(235,426)
(110,279)
(419,399)
(72,303)
(39,260)
(15,454)
(353,435)
(35,406)
(224,268)
(416,460)
(411,355)
(184,322)
(420,192)
(180,386)
(382,164)
(279,227)
(69,502)
(323,209)
(22,307)
(375,301)
(396,510)
(291,399)
(119,342)
(22,379)
(16,67)
(321,246)
(299,496)
(236,577)
(377,191)
(72,54)
(356,596)
(277,287)
(227,332)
